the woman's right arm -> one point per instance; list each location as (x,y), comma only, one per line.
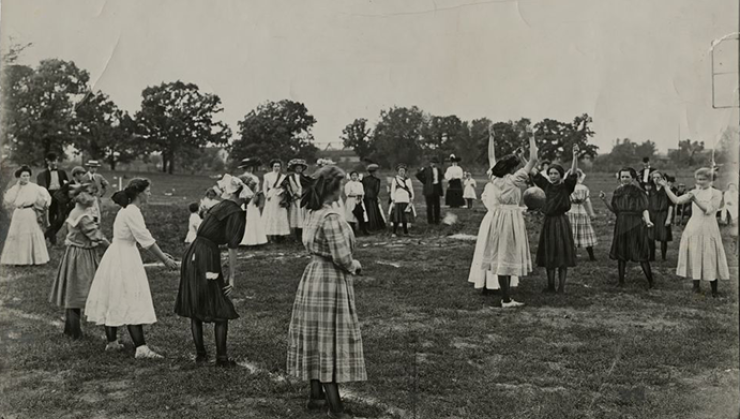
(602,195)
(341,253)
(533,154)
(142,235)
(678,200)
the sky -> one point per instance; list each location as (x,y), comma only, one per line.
(640,68)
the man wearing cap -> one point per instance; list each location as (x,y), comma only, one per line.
(100,183)
(431,177)
(295,183)
(371,184)
(254,232)
(55,181)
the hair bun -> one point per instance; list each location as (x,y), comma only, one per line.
(121,198)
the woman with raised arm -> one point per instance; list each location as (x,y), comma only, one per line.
(324,340)
(661,214)
(119,294)
(580,215)
(507,248)
(630,241)
(701,254)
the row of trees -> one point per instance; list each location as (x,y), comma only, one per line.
(408,135)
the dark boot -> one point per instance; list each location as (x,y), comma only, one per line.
(200,349)
(697,287)
(222,359)
(562,275)
(590,251)
(550,282)
(714,285)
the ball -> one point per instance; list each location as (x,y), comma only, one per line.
(449,219)
(534,198)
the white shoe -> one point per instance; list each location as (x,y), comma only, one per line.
(511,304)
(143,352)
(114,347)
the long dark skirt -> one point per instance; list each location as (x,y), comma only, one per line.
(660,232)
(454,197)
(375,219)
(630,241)
(202,281)
(556,248)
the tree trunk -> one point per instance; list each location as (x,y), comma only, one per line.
(164,163)
(171,165)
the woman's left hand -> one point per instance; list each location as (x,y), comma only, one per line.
(649,224)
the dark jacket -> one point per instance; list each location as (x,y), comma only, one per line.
(426,177)
(44,178)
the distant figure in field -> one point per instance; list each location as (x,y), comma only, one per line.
(701,254)
(25,243)
(454,177)
(469,192)
(193,223)
(371,186)
(100,185)
(431,177)
(580,215)
(254,232)
(355,213)
(275,214)
(55,181)
(402,196)
(643,176)
(294,186)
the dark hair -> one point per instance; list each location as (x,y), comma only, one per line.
(645,159)
(130,192)
(51,156)
(557,167)
(504,166)
(354,172)
(631,171)
(327,181)
(193,207)
(22,169)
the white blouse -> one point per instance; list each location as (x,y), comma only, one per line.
(454,172)
(400,195)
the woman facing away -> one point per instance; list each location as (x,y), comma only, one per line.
(701,254)
(204,290)
(324,339)
(25,243)
(119,294)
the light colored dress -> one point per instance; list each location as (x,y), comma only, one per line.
(296,213)
(701,254)
(354,192)
(193,224)
(507,248)
(120,293)
(25,243)
(580,221)
(730,211)
(254,232)
(478,277)
(324,339)
(469,192)
(274,216)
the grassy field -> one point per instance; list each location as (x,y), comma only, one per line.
(434,347)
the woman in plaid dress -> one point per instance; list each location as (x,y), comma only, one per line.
(580,215)
(324,340)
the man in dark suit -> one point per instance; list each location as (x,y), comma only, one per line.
(56,182)
(431,177)
(643,176)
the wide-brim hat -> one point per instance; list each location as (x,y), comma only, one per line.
(249,162)
(372,167)
(297,162)
(92,163)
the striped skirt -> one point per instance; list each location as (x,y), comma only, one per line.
(324,340)
(556,248)
(580,224)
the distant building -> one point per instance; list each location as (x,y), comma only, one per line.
(339,156)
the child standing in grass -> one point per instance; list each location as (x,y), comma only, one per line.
(661,214)
(469,193)
(80,261)
(556,249)
(402,194)
(119,294)
(630,241)
(701,254)
(580,215)
(193,223)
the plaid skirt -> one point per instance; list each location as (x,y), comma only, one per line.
(580,223)
(324,340)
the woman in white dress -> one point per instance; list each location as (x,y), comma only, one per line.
(701,254)
(469,192)
(254,232)
(295,182)
(275,214)
(481,279)
(25,243)
(353,204)
(119,294)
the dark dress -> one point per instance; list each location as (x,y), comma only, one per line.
(630,241)
(454,197)
(375,220)
(201,278)
(658,205)
(556,248)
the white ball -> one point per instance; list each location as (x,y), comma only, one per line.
(449,219)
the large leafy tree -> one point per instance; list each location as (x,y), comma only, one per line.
(275,130)
(556,139)
(358,137)
(397,136)
(177,118)
(39,108)
(442,135)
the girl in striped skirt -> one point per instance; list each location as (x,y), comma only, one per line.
(556,249)
(630,241)
(324,340)
(580,215)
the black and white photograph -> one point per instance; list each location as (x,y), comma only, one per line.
(369,209)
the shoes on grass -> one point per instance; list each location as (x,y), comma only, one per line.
(143,352)
(511,304)
(114,347)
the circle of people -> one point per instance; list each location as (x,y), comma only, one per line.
(324,339)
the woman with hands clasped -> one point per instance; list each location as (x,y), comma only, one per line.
(630,241)
(324,340)
(701,254)
(204,289)
(119,294)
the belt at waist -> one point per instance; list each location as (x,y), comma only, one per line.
(25,207)
(321,258)
(205,240)
(509,207)
(629,213)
